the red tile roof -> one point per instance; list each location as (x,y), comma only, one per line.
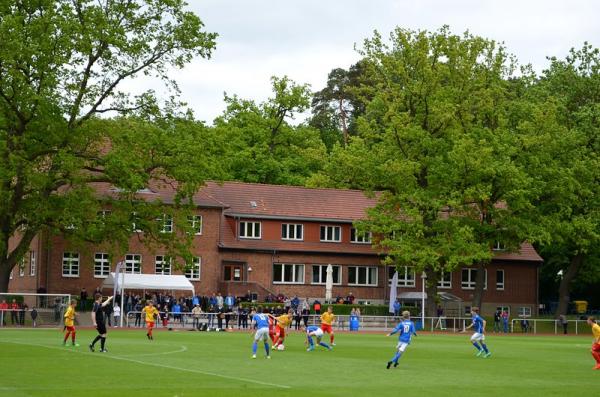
(525,253)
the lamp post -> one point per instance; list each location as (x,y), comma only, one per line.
(423,281)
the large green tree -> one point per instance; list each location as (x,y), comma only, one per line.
(62,65)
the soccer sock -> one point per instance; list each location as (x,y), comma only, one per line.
(73,337)
(98,337)
(325,345)
(310,342)
(267,348)
(485,349)
(396,357)
(476,346)
(331,338)
(66,336)
(254,347)
(102,341)
(150,332)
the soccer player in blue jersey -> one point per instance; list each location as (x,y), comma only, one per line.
(314,331)
(405,329)
(478,337)
(261,322)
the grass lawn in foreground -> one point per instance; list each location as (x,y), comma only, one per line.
(34,363)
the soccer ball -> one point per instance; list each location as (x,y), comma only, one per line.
(280,347)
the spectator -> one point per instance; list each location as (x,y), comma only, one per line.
(117,315)
(196,312)
(219,301)
(396,308)
(177,312)
(42,290)
(562,319)
(505,321)
(34,315)
(3,311)
(305,314)
(57,308)
(220,317)
(229,301)
(14,309)
(497,318)
(138,314)
(83,295)
(24,308)
(242,317)
(350,299)
(524,325)
(297,318)
(317,307)
(108,309)
(294,303)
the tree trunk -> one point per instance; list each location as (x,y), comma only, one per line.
(565,284)
(479,285)
(431,287)
(4,277)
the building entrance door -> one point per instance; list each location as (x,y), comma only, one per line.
(233,272)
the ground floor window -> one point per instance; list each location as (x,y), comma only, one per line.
(288,273)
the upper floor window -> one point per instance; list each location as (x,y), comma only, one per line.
(70,264)
(469,275)
(101,265)
(319,274)
(192,271)
(250,229)
(358,237)
(195,223)
(32,264)
(362,275)
(162,265)
(165,223)
(406,275)
(331,233)
(445,280)
(133,263)
(291,231)
(499,246)
(288,273)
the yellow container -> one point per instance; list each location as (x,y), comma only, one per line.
(581,306)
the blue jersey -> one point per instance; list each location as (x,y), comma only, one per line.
(406,330)
(478,324)
(261,320)
(311,328)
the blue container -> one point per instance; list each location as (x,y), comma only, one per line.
(354,323)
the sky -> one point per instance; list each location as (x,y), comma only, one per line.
(306,39)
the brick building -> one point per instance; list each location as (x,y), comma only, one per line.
(276,239)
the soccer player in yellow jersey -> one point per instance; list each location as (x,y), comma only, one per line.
(327,319)
(70,324)
(596,344)
(151,316)
(283,322)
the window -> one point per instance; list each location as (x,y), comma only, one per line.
(469,276)
(500,279)
(22,267)
(196,223)
(361,238)
(192,271)
(290,231)
(70,264)
(101,265)
(32,263)
(162,265)
(10,276)
(406,276)
(362,275)
(250,230)
(165,223)
(319,274)
(284,273)
(498,246)
(445,280)
(133,263)
(524,311)
(331,233)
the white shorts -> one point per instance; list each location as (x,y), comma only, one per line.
(476,337)
(261,333)
(401,346)
(318,333)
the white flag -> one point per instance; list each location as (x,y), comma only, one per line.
(117,277)
(393,292)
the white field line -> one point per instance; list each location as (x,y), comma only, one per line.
(158,365)
(181,350)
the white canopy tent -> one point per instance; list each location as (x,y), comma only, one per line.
(146,282)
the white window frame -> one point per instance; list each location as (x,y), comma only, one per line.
(70,265)
(131,260)
(358,238)
(194,271)
(101,265)
(368,272)
(323,275)
(22,267)
(524,311)
(32,264)
(249,229)
(330,234)
(166,223)
(500,286)
(196,224)
(445,280)
(470,283)
(10,276)
(298,269)
(162,265)
(498,246)
(292,231)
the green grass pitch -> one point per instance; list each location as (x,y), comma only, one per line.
(185,364)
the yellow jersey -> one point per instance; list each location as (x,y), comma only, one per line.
(596,332)
(70,317)
(327,318)
(150,312)
(284,320)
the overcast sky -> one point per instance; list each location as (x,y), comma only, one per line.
(306,39)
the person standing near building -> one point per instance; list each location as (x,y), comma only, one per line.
(98,321)
(83,295)
(596,343)
(327,320)
(117,315)
(563,322)
(505,321)
(261,322)
(497,318)
(478,337)
(70,324)
(406,330)
(14,309)
(196,312)
(34,315)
